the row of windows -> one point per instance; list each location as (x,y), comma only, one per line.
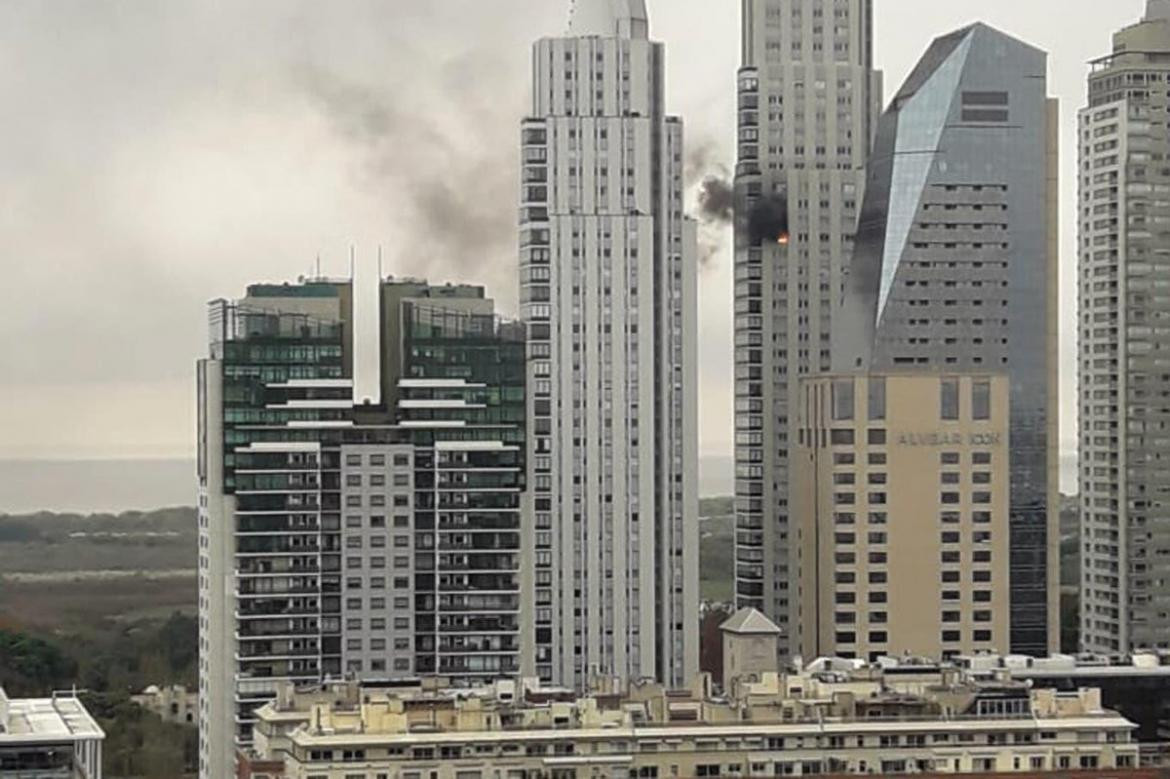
(881,637)
(375,460)
(377,501)
(376,480)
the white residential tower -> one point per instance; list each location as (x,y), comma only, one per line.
(608,292)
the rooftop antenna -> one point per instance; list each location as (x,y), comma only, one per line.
(318,265)
(352,261)
(379,262)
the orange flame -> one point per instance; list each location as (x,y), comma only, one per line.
(782,239)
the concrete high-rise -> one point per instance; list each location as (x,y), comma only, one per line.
(808,101)
(955,271)
(361,470)
(1124,328)
(608,281)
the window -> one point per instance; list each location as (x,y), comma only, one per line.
(981,400)
(843,400)
(877,399)
(949,458)
(878,637)
(877,437)
(841,437)
(981,458)
(950,636)
(949,399)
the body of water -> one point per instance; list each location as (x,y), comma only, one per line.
(93,486)
(87,486)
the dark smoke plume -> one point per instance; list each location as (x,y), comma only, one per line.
(716,200)
(444,180)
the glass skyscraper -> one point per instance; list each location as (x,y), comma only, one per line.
(955,271)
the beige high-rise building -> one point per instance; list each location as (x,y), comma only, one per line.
(901,511)
(1124,211)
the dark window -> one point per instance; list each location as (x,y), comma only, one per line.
(981,400)
(841,437)
(843,400)
(949,399)
(877,399)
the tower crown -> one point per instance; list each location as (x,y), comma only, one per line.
(1157,10)
(609,18)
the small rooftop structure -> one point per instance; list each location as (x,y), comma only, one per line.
(748,621)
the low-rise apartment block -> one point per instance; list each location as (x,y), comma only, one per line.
(835,717)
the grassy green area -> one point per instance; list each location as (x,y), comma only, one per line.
(150,541)
(716,549)
(105,603)
(108,664)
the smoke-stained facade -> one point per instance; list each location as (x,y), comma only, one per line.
(955,269)
(608,283)
(808,100)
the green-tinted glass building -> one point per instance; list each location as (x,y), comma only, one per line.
(361,475)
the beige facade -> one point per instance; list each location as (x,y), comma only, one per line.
(832,719)
(901,506)
(750,645)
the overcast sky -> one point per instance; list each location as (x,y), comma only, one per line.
(155,155)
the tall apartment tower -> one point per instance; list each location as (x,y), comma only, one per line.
(361,466)
(1124,395)
(808,101)
(955,271)
(608,280)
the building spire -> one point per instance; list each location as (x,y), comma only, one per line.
(608,18)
